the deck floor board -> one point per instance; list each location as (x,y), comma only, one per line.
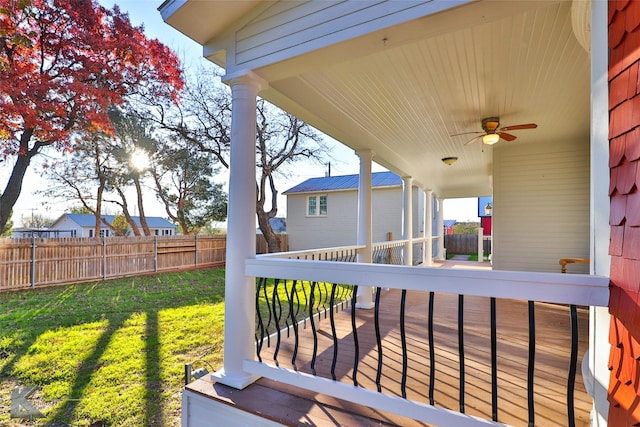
(293,406)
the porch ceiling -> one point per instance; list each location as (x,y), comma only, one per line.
(403,91)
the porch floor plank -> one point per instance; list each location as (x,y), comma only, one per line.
(290,405)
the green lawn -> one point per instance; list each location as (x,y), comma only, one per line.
(110,353)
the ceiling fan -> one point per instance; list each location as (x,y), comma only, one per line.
(492,133)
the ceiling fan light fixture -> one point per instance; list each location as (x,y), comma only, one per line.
(490,138)
(449,160)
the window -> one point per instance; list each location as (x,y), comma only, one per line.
(317,205)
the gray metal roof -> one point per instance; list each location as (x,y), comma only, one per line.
(88,220)
(344,182)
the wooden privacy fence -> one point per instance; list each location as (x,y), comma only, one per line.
(36,262)
(464,244)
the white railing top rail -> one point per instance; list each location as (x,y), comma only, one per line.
(311,252)
(389,244)
(579,289)
(319,252)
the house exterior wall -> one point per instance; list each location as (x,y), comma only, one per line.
(289,29)
(65,223)
(339,226)
(624,220)
(541,205)
(387,213)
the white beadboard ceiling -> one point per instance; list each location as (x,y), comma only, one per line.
(403,91)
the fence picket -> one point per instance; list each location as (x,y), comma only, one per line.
(33,262)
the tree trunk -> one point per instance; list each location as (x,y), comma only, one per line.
(14,187)
(98,211)
(127,215)
(143,218)
(273,244)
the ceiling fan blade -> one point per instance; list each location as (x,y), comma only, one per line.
(506,136)
(473,139)
(518,127)
(465,133)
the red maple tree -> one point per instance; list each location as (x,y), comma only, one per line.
(62,64)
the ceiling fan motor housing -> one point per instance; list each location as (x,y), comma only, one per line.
(490,124)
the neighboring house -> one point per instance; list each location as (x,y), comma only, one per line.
(24,232)
(404,84)
(83,225)
(485,208)
(323,212)
(448,225)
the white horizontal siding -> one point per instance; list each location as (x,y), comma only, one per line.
(339,226)
(541,205)
(201,411)
(288,29)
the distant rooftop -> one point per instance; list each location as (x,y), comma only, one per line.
(89,220)
(344,182)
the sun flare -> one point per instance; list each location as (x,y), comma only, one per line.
(140,159)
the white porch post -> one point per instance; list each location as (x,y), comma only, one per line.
(599,317)
(441,255)
(480,244)
(428,228)
(365,223)
(239,316)
(422,223)
(407,220)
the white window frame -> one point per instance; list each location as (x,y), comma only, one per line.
(317,200)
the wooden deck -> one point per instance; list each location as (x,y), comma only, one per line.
(290,405)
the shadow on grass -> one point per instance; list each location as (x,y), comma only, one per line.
(87,368)
(154,415)
(32,313)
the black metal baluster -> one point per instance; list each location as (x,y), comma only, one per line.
(306,301)
(290,306)
(572,367)
(259,340)
(341,297)
(531,363)
(276,317)
(356,347)
(333,334)
(294,324)
(403,338)
(312,297)
(432,352)
(461,349)
(324,300)
(494,361)
(266,300)
(376,322)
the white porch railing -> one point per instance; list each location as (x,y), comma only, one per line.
(388,252)
(574,290)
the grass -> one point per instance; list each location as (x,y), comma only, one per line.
(110,353)
(472,257)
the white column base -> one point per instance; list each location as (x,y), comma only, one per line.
(236,380)
(365,297)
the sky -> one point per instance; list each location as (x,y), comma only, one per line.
(144,12)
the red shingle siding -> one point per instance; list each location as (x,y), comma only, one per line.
(624,219)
